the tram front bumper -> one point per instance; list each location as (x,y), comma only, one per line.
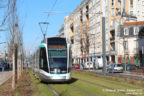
(47,77)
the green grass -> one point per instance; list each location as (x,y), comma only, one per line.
(93,84)
(66,90)
(28,85)
(1,89)
(109,80)
(101,83)
(96,90)
(98,86)
(39,88)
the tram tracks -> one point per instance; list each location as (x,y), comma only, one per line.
(53,90)
(73,86)
(88,94)
(76,84)
(103,86)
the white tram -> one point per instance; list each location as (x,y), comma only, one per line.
(52,61)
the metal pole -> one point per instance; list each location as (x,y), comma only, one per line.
(94,54)
(142,55)
(103,37)
(142,50)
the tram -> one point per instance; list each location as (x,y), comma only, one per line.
(52,62)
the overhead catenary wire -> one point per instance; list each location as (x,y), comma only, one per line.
(46,21)
(51,9)
(37,38)
(62,12)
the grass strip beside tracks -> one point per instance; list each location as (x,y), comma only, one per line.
(100,85)
(28,85)
(81,84)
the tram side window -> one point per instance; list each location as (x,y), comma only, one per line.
(70,60)
(43,60)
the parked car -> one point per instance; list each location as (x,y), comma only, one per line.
(76,66)
(99,62)
(115,68)
(88,65)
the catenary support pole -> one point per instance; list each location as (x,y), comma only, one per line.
(103,38)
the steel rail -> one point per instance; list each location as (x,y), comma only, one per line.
(88,94)
(53,90)
(102,86)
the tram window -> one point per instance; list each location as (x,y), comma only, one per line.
(43,60)
(70,58)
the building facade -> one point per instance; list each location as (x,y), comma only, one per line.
(61,31)
(83,28)
(131,42)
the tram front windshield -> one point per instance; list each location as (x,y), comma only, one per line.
(57,61)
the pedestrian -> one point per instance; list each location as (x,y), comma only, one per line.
(3,67)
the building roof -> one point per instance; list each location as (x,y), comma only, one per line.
(134,23)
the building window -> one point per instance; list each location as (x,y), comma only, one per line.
(126,31)
(136,30)
(131,13)
(143,3)
(112,2)
(118,13)
(112,12)
(131,3)
(126,45)
(136,44)
(119,2)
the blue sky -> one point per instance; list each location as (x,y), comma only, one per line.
(33,11)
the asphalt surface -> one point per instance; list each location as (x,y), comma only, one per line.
(4,76)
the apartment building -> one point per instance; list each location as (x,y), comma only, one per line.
(83,28)
(136,9)
(61,31)
(122,12)
(131,42)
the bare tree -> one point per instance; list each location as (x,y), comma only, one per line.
(4,9)
(15,41)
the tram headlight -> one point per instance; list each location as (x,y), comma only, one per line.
(57,70)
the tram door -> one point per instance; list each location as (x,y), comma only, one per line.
(43,59)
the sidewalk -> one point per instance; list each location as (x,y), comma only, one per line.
(4,76)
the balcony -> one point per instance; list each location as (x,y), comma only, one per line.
(71,25)
(87,13)
(81,18)
(136,50)
(126,51)
(112,39)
